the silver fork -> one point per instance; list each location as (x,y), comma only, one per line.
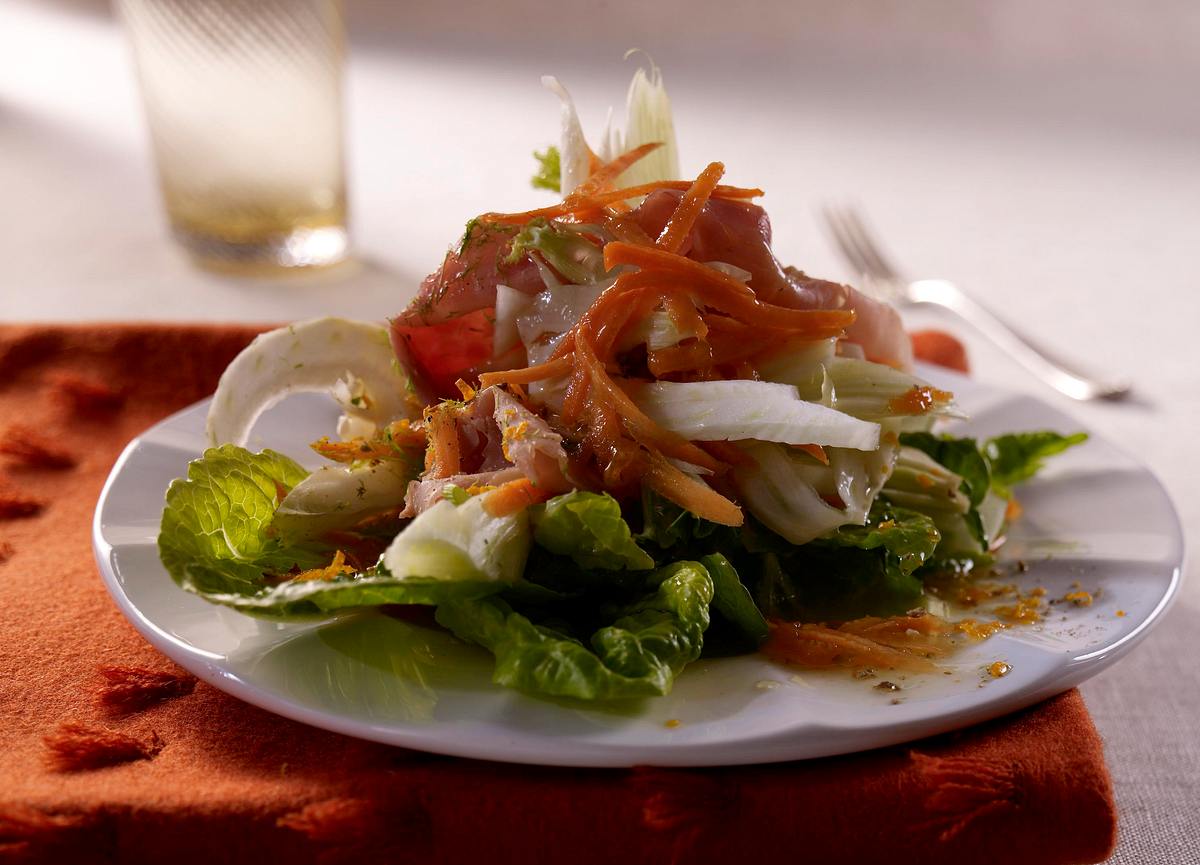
(862,253)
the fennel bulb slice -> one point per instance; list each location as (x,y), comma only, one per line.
(741,409)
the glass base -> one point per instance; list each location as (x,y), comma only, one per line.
(298,249)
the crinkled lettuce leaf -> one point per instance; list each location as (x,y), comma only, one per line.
(911,538)
(589,528)
(549,173)
(988,473)
(855,571)
(214,534)
(733,601)
(1016,457)
(217,541)
(639,654)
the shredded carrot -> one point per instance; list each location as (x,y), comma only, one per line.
(815,451)
(690,494)
(508,498)
(601,179)
(468,392)
(353,450)
(810,645)
(603,199)
(555,368)
(728,452)
(722,291)
(442,458)
(686,212)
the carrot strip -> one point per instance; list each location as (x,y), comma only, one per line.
(688,210)
(815,451)
(602,178)
(635,420)
(605,198)
(442,458)
(691,494)
(819,646)
(723,292)
(508,498)
(559,366)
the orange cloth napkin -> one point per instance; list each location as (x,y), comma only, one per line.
(111,753)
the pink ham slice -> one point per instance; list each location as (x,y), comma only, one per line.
(500,440)
(739,233)
(447,331)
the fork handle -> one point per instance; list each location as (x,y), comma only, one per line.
(1059,375)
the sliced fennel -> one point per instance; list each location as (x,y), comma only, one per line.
(648,118)
(777,491)
(735,410)
(312,356)
(573,152)
(460,542)
(336,497)
(873,391)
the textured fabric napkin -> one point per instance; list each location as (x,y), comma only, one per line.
(111,753)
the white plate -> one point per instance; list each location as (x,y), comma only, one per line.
(1096,517)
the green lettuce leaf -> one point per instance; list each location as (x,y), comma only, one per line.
(589,528)
(639,654)
(549,173)
(1016,457)
(908,536)
(214,534)
(733,601)
(216,540)
(564,247)
(855,571)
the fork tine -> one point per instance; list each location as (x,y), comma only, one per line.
(835,225)
(877,264)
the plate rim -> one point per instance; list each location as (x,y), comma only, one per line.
(591,754)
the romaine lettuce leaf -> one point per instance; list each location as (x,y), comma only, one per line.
(638,655)
(1017,457)
(217,540)
(733,601)
(214,532)
(589,528)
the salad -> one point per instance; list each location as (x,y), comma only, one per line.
(608,436)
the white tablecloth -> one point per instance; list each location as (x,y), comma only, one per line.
(1047,158)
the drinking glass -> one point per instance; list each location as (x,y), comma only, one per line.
(243,100)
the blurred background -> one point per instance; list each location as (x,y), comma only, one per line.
(1045,156)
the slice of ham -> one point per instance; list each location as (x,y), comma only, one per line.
(447,329)
(500,440)
(739,233)
(446,333)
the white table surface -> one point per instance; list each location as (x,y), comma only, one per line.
(1047,158)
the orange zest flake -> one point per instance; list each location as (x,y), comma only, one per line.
(514,496)
(919,399)
(978,630)
(1013,510)
(1079,599)
(1026,611)
(512,434)
(336,568)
